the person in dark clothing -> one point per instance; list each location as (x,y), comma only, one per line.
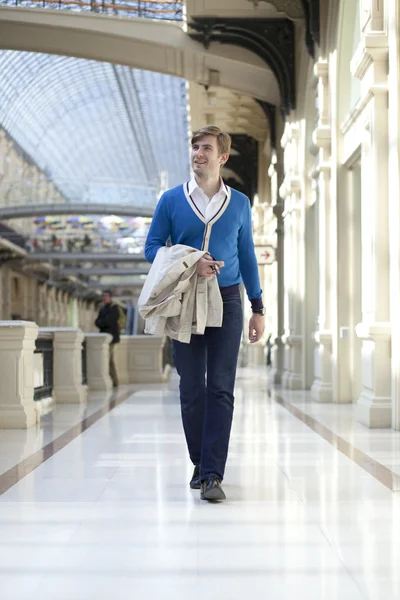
(107,322)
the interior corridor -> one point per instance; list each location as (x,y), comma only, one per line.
(109,512)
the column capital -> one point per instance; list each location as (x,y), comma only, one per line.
(17,346)
(18,330)
(321,68)
(98,339)
(145,356)
(322,137)
(67,334)
(374,47)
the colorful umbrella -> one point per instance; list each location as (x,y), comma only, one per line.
(80,221)
(87,226)
(46,220)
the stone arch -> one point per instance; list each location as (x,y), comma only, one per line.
(162,47)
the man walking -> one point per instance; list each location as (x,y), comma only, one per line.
(107,322)
(207,215)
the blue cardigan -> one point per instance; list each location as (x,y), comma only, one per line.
(228,234)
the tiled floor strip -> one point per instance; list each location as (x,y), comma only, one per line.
(26,466)
(383,474)
(380,472)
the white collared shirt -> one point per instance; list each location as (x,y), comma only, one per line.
(207,207)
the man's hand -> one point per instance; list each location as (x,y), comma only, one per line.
(256,327)
(208,267)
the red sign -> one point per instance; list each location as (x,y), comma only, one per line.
(265,255)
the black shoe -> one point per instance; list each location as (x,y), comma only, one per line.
(195,482)
(211,489)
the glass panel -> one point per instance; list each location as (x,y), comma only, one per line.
(150,9)
(100,132)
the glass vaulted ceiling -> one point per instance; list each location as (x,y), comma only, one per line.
(101,132)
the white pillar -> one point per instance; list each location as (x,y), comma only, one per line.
(291,192)
(374,405)
(255,352)
(17,346)
(122,359)
(98,361)
(394,200)
(277,353)
(145,358)
(370,65)
(67,364)
(5,299)
(322,389)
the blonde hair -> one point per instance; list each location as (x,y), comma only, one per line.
(223,139)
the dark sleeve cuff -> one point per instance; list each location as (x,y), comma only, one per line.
(256,304)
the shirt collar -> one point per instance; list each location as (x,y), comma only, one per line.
(193,185)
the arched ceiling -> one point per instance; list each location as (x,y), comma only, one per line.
(101,132)
(231,112)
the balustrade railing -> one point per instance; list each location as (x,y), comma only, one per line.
(43,367)
(116,243)
(84,363)
(86,243)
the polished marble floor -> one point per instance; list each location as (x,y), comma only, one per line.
(111,514)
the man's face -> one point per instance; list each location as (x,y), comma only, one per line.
(206,160)
(106,298)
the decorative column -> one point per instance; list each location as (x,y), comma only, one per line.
(121,355)
(67,365)
(5,298)
(57,309)
(32,308)
(17,346)
(394,200)
(374,405)
(98,361)
(51,314)
(277,353)
(370,65)
(322,389)
(291,193)
(255,352)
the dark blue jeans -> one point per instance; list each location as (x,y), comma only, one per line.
(207,370)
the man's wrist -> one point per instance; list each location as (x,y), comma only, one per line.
(257,306)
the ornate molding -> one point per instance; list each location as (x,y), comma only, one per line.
(273,40)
